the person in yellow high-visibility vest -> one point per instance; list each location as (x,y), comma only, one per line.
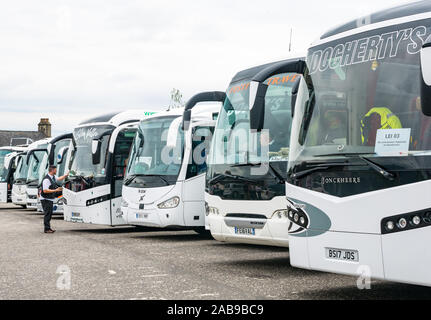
(377,118)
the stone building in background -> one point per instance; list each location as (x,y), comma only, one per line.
(13,138)
(44,126)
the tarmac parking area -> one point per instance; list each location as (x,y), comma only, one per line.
(131,263)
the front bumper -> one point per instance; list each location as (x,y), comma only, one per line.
(19,199)
(356,223)
(3,192)
(310,253)
(271,229)
(56,209)
(31,197)
(400,257)
(273,233)
(155,217)
(31,203)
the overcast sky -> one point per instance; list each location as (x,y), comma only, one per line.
(69,60)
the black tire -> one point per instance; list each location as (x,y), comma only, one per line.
(142,228)
(23,206)
(203,232)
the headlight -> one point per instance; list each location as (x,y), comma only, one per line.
(405,222)
(169,204)
(302,221)
(124,203)
(298,216)
(207,209)
(390,225)
(291,214)
(402,223)
(416,220)
(281,213)
(212,210)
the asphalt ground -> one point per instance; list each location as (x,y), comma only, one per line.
(96,262)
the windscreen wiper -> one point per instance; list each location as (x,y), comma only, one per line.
(273,172)
(159,176)
(277,174)
(82,178)
(345,154)
(386,174)
(131,178)
(321,167)
(221,176)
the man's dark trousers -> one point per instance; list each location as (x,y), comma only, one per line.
(47,207)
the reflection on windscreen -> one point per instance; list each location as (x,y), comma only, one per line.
(34,165)
(150,153)
(82,163)
(370,107)
(21,170)
(236,144)
(354,108)
(3,170)
(43,168)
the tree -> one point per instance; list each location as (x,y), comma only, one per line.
(176,99)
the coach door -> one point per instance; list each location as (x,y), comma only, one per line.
(121,154)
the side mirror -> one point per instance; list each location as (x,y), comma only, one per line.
(426,79)
(257,105)
(7,161)
(187,117)
(96,146)
(173,133)
(31,153)
(17,161)
(49,148)
(211,96)
(295,90)
(51,155)
(62,154)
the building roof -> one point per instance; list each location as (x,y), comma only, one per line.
(7,135)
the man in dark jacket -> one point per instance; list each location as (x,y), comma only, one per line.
(50,190)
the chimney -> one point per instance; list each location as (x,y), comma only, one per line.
(44,126)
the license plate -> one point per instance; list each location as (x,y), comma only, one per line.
(19,200)
(141,216)
(76,214)
(245,231)
(342,254)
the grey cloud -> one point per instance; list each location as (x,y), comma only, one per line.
(79,57)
